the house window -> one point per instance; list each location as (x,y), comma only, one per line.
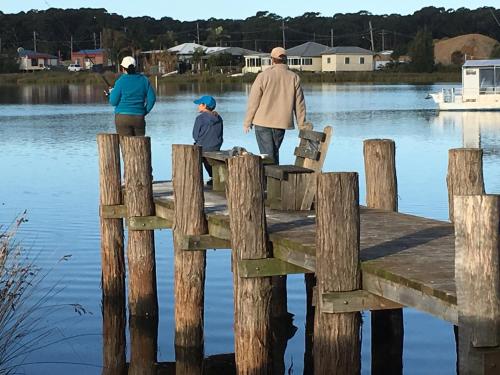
(328,60)
(307,61)
(361,60)
(34,62)
(294,61)
(347,60)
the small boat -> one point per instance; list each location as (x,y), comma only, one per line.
(480,89)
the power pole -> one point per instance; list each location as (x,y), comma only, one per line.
(71,48)
(198,32)
(34,41)
(255,44)
(95,41)
(383,40)
(283,28)
(331,38)
(371,35)
(100,39)
(314,37)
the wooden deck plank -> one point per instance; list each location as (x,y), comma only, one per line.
(405,258)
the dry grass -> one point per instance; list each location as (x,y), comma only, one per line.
(22,309)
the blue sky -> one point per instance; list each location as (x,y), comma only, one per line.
(203,9)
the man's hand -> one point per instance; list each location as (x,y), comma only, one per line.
(247,128)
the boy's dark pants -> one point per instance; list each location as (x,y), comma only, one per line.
(207,166)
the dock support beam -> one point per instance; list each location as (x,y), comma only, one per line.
(142,295)
(112,257)
(252,297)
(465,174)
(477,273)
(189,266)
(337,344)
(382,193)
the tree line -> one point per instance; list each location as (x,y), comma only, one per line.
(58,31)
(54,29)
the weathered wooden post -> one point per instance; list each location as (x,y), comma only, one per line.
(142,296)
(189,279)
(477,276)
(110,193)
(112,255)
(252,296)
(337,344)
(382,193)
(465,174)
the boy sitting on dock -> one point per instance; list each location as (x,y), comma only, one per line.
(208,129)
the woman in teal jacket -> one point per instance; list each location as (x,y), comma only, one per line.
(133,98)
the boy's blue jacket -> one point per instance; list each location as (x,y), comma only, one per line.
(207,131)
(132,95)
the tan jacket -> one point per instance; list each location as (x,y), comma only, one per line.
(275,95)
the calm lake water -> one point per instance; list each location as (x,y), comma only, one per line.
(49,167)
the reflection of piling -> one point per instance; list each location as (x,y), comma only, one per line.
(252,296)
(465,174)
(310,283)
(382,193)
(113,332)
(337,344)
(142,298)
(143,345)
(112,257)
(189,283)
(477,274)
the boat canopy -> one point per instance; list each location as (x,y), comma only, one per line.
(481,63)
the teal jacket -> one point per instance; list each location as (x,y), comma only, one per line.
(132,95)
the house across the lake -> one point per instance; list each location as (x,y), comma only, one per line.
(87,58)
(347,59)
(306,57)
(31,60)
(257,62)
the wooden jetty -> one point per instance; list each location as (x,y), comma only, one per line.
(364,258)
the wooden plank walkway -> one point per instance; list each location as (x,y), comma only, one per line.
(406,259)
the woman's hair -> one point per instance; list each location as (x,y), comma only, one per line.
(130,69)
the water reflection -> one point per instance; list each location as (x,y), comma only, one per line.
(479,129)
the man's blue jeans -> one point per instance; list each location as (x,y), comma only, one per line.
(269,141)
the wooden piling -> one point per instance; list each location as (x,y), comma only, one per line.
(142,295)
(380,174)
(387,327)
(189,266)
(110,194)
(252,296)
(465,174)
(477,275)
(337,345)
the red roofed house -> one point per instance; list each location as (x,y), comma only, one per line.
(31,60)
(87,58)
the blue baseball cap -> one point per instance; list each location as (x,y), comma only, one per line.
(208,100)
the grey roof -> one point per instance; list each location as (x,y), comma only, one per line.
(474,63)
(347,50)
(235,51)
(308,49)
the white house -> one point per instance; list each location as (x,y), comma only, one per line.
(347,59)
(31,60)
(306,57)
(257,62)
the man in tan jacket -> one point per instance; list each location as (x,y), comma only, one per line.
(275,96)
